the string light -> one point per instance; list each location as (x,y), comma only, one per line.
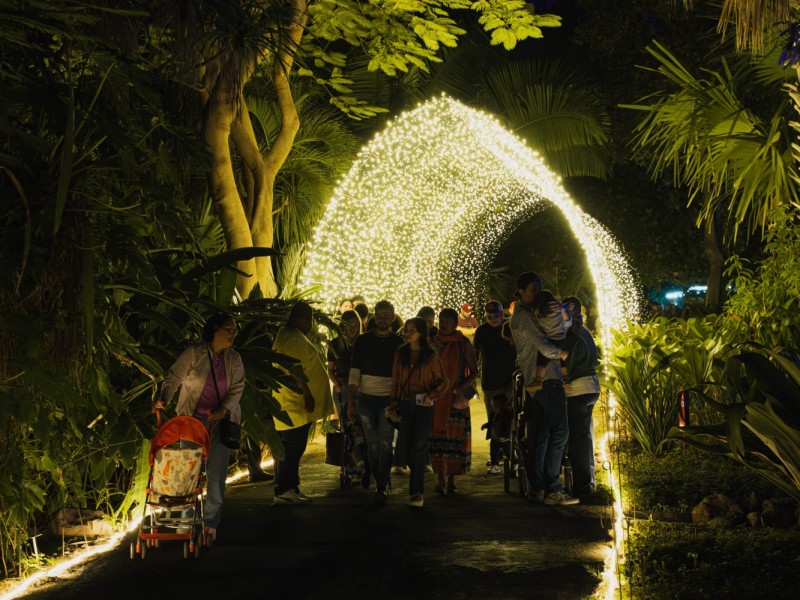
(428,204)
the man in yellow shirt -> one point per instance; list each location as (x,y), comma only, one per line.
(312,403)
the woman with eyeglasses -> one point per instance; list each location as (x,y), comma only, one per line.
(210,376)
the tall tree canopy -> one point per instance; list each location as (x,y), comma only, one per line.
(217,46)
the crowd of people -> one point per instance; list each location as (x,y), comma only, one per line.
(408,385)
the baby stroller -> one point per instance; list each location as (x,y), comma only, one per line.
(173,507)
(345,448)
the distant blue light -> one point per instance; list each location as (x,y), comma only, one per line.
(673,295)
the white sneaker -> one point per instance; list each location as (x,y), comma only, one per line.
(494,470)
(301,495)
(417,501)
(560,499)
(397,469)
(289,497)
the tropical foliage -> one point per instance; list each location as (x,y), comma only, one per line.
(761,422)
(767,298)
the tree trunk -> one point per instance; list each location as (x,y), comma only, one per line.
(716,261)
(227,125)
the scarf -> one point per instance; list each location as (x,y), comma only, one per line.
(450,353)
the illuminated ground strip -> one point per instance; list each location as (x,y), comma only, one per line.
(79,558)
(428,204)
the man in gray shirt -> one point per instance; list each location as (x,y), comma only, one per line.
(550,431)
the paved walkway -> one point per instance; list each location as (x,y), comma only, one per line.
(479,543)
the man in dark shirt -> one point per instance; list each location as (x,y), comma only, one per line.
(370,383)
(498,360)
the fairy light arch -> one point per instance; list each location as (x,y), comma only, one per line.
(427,205)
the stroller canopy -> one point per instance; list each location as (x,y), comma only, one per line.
(177,429)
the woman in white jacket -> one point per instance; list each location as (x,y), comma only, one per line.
(210,376)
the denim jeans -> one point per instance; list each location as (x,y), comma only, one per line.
(216,473)
(581,441)
(549,435)
(415,425)
(496,449)
(287,471)
(378,433)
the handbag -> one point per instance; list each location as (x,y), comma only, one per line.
(230,433)
(471,391)
(334,448)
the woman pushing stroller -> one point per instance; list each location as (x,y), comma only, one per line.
(210,376)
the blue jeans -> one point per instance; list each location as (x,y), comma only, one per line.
(216,473)
(415,425)
(549,436)
(378,433)
(581,441)
(287,471)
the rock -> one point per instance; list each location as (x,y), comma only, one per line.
(80,522)
(719,505)
(776,513)
(754,518)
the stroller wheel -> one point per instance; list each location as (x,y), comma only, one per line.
(133,550)
(185,549)
(197,550)
(142,549)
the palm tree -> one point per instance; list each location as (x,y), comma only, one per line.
(552,106)
(725,136)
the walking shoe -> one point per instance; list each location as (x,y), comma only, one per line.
(441,488)
(289,497)
(260,476)
(211,536)
(380,498)
(301,495)
(560,499)
(417,500)
(536,496)
(399,469)
(428,469)
(494,470)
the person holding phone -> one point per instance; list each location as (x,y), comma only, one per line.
(418,381)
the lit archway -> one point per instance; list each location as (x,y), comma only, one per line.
(429,202)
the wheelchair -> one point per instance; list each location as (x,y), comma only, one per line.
(515,466)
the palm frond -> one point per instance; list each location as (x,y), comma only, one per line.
(553,108)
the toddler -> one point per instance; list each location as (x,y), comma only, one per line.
(554,323)
(498,431)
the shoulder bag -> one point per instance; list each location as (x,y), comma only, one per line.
(230,433)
